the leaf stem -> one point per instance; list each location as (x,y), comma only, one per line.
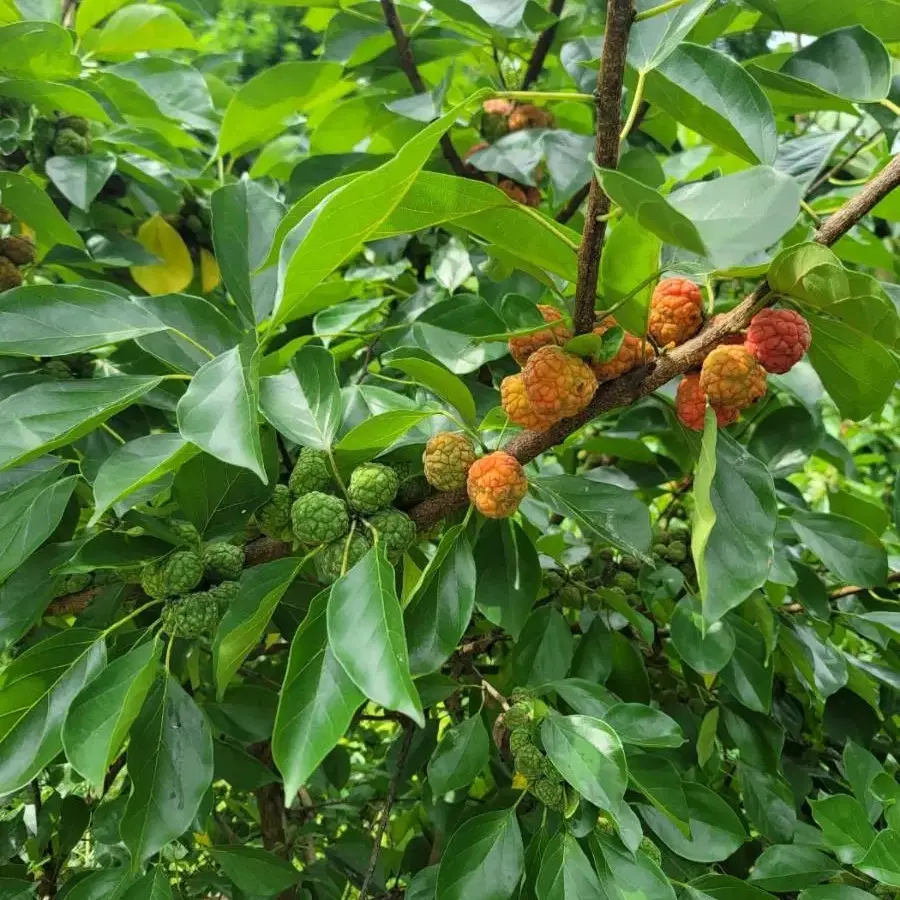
(550,225)
(889,104)
(116,625)
(635,106)
(113,433)
(659,10)
(545,95)
(177,376)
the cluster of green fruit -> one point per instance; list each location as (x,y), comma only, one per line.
(522,719)
(65,368)
(190,613)
(310,511)
(63,136)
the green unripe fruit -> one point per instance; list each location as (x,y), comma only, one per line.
(152,582)
(661,535)
(76,123)
(414,486)
(181,572)
(129,574)
(551,772)
(186,532)
(396,532)
(553,581)
(660,550)
(551,793)
(274,516)
(517,715)
(676,552)
(224,594)
(606,554)
(311,473)
(331,559)
(69,142)
(192,616)
(42,134)
(372,487)
(519,738)
(651,850)
(6,216)
(577,573)
(625,581)
(56,368)
(317,518)
(630,564)
(571,596)
(72,584)
(223,561)
(530,762)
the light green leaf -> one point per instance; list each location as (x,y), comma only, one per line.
(439,381)
(80,178)
(373,436)
(51,96)
(653,39)
(845,825)
(33,206)
(882,861)
(629,266)
(788,867)
(810,272)
(40,50)
(644,726)
(142,27)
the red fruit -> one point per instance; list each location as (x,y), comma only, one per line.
(690,404)
(778,338)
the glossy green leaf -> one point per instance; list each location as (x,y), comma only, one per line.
(141,26)
(644,726)
(32,205)
(655,38)
(845,825)
(882,861)
(585,696)
(849,550)
(461,754)
(622,873)
(727,887)
(810,272)
(80,178)
(787,867)
(375,435)
(705,648)
(256,871)
(748,674)
(439,381)
(628,267)
(566,873)
(769,803)
(661,783)
(544,649)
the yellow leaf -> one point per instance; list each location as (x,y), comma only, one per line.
(175,271)
(25,230)
(519,782)
(210,277)
(202,838)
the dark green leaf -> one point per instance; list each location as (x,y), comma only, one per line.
(705,648)
(622,873)
(30,204)
(462,753)
(849,550)
(566,872)
(747,675)
(845,825)
(80,178)
(255,871)
(882,861)
(769,803)
(644,726)
(544,649)
(788,867)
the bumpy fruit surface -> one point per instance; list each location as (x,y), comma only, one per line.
(732,378)
(56,368)
(516,405)
(497,106)
(72,584)
(182,571)
(186,532)
(526,115)
(223,561)
(330,559)
(526,194)
(447,459)
(495,121)
(191,617)
(78,124)
(690,405)
(496,485)
(414,487)
(530,761)
(311,473)
(372,487)
(396,532)
(651,850)
(274,516)
(6,216)
(558,384)
(676,311)
(517,715)
(632,353)
(521,348)
(317,518)
(519,738)
(18,249)
(551,793)
(69,142)
(778,338)
(223,594)
(10,276)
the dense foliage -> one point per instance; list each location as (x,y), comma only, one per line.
(449,451)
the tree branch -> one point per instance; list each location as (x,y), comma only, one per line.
(542,47)
(411,70)
(619,16)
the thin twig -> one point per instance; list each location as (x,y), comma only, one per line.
(619,16)
(542,47)
(386,812)
(851,589)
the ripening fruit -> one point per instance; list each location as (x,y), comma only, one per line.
(311,472)
(372,487)
(690,405)
(527,195)
(522,347)
(447,459)
(18,249)
(676,311)
(558,384)
(526,115)
(69,142)
(495,121)
(778,338)
(496,485)
(6,216)
(516,405)
(633,352)
(317,518)
(10,276)
(731,377)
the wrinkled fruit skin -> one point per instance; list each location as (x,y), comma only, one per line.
(396,532)
(414,486)
(182,571)
(558,384)
(18,249)
(527,115)
(311,473)
(519,738)
(676,311)
(78,124)
(495,121)
(10,276)
(447,459)
(629,357)
(732,378)
(551,793)
(317,518)
(516,405)
(274,516)
(690,404)
(496,485)
(778,338)
(372,487)
(223,562)
(69,142)
(521,348)
(186,532)
(526,194)
(330,559)
(530,762)
(191,617)
(56,368)
(224,594)
(651,850)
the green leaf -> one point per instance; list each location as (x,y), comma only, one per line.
(834,892)
(566,872)
(624,874)
(716,830)
(51,97)
(810,272)
(450,388)
(845,825)
(170,754)
(259,110)
(218,412)
(644,726)
(849,550)
(29,514)
(366,635)
(50,415)
(80,178)
(442,603)
(747,675)
(660,782)
(788,867)
(36,691)
(101,715)
(714,96)
(705,648)
(798,15)
(53,320)
(38,49)
(316,703)
(603,511)
(136,464)
(140,27)
(735,517)
(153,886)
(255,871)
(373,436)
(32,205)
(589,757)
(463,752)
(584,696)
(484,859)
(544,649)
(629,266)
(769,803)
(882,861)
(653,39)
(243,217)
(15,889)
(261,589)
(726,887)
